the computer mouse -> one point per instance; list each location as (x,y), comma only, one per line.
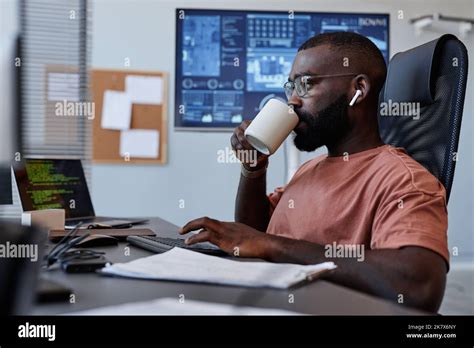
(95,240)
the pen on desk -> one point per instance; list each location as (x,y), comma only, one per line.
(76,241)
(67,236)
(98,225)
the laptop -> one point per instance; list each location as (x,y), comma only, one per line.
(61,184)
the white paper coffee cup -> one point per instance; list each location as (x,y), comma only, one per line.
(271,126)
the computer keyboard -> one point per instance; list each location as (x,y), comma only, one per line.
(161,244)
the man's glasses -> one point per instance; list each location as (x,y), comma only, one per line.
(302,84)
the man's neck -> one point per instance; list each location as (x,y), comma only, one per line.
(357,140)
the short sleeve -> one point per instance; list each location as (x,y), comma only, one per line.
(414,219)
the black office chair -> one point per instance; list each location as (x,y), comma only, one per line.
(18,276)
(434,75)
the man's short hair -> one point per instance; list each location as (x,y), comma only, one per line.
(354,46)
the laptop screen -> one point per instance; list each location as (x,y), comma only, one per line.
(54,184)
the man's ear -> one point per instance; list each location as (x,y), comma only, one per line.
(359,83)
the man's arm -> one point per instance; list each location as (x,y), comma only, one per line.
(251,203)
(414,276)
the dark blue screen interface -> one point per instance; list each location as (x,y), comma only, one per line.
(229,63)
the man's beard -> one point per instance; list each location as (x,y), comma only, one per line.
(327,127)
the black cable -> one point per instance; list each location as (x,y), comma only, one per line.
(63,240)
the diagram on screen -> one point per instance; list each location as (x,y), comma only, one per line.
(228,63)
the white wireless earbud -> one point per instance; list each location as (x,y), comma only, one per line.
(354,98)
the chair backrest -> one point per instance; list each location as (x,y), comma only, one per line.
(422,102)
(18,275)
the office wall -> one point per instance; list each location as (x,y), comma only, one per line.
(143,31)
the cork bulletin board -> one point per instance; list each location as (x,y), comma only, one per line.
(106,142)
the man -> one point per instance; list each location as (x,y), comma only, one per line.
(362,193)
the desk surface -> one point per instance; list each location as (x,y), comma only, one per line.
(320,297)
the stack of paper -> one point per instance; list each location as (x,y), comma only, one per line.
(173,306)
(184,265)
(143,143)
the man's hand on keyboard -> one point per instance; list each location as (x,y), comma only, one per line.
(234,238)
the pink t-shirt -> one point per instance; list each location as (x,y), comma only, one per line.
(381,198)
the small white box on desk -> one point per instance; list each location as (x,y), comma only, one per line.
(52,219)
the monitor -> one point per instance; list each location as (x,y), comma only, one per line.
(230,63)
(54,184)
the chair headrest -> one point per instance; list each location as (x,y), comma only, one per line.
(410,75)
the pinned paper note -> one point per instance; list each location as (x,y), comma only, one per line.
(144,89)
(116,110)
(139,143)
(171,306)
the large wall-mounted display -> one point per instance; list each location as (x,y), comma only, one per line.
(229,63)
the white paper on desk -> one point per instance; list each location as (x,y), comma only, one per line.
(139,143)
(116,110)
(63,86)
(144,89)
(184,265)
(173,306)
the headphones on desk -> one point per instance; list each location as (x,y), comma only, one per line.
(357,94)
